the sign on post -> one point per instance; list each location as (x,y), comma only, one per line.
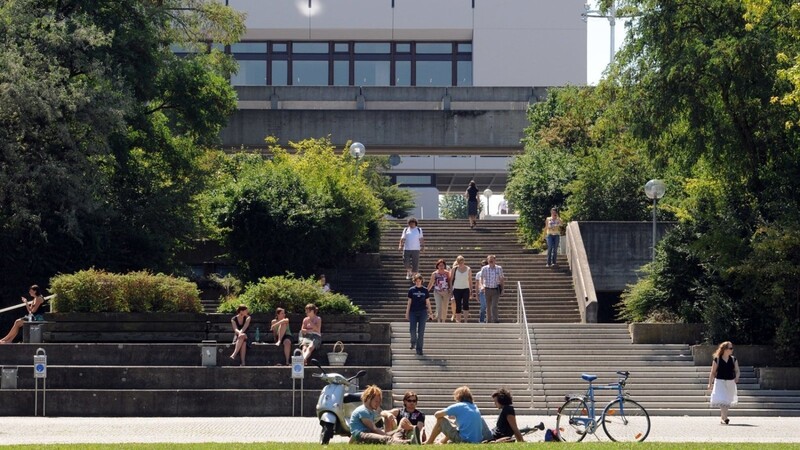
(298,366)
(40,371)
(40,364)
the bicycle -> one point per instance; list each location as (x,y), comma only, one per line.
(623,419)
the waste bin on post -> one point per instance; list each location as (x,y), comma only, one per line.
(32,332)
(9,378)
(209,351)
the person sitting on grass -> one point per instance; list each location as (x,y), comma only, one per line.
(411,420)
(363,428)
(468,425)
(506,429)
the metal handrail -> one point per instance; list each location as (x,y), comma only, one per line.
(22,305)
(522,320)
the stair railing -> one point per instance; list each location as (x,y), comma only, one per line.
(581,274)
(529,338)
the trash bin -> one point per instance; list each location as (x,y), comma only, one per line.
(209,352)
(9,378)
(32,332)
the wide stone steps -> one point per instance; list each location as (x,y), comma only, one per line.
(549,293)
(663,378)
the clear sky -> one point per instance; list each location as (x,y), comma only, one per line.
(599,44)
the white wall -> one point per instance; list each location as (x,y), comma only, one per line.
(515,42)
(529,43)
(427,203)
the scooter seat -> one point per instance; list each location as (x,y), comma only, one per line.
(352,398)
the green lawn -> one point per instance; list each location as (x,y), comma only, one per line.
(285,446)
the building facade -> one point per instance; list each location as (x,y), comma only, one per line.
(443,84)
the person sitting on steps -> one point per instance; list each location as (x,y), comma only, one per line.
(34,309)
(282,333)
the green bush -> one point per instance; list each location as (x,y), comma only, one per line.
(290,293)
(99,291)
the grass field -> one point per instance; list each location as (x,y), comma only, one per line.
(305,446)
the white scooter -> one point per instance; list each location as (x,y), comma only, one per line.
(336,402)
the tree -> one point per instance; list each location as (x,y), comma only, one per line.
(100,127)
(454,206)
(295,212)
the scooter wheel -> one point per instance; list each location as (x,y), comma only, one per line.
(326,434)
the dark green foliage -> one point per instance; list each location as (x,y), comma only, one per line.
(99,291)
(397,201)
(296,212)
(99,131)
(290,293)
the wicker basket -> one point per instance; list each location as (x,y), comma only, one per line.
(337,358)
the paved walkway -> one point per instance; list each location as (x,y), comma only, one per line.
(70,430)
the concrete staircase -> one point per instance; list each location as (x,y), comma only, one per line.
(382,291)
(663,378)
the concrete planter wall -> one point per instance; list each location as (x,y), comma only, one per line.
(748,355)
(779,377)
(666,333)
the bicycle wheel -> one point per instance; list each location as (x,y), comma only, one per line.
(626,421)
(572,420)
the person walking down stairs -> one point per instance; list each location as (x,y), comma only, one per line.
(440,284)
(491,283)
(461,276)
(411,244)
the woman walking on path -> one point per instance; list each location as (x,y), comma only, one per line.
(723,378)
(240,323)
(418,310)
(472,203)
(461,276)
(440,284)
(552,226)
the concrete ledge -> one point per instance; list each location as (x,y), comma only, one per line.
(191,378)
(779,377)
(666,333)
(748,355)
(104,354)
(168,403)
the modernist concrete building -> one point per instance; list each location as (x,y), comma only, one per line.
(442,84)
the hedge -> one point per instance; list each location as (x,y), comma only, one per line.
(99,291)
(289,293)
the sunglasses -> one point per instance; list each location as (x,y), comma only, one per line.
(411,400)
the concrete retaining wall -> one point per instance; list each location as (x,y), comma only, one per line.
(616,251)
(748,355)
(666,333)
(779,377)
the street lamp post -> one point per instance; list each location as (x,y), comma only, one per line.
(611,15)
(654,189)
(488,194)
(357,150)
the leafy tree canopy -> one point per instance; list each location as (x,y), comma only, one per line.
(100,125)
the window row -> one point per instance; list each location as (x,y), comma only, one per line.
(351,63)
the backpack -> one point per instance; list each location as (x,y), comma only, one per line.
(551,435)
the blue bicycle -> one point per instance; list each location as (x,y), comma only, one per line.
(623,419)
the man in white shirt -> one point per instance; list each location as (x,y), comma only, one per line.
(411,243)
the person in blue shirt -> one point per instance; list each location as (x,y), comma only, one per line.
(468,425)
(363,428)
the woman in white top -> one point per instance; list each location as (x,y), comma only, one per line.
(461,278)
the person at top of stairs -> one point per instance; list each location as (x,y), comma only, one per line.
(472,203)
(411,243)
(440,284)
